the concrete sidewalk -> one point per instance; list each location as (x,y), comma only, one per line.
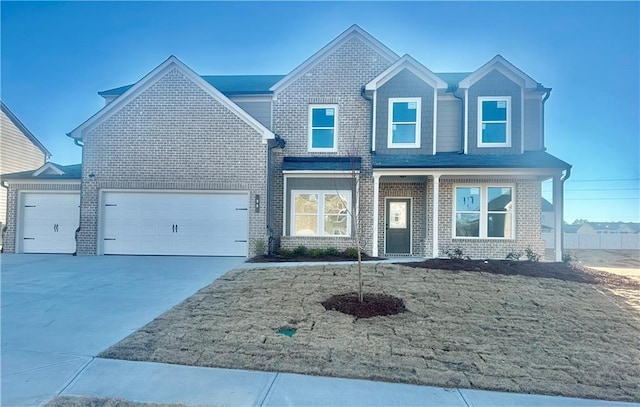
(59,311)
(198,386)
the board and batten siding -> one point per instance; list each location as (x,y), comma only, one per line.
(449,138)
(17,153)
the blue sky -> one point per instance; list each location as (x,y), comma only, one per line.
(57,55)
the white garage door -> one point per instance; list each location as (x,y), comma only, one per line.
(49,222)
(162,223)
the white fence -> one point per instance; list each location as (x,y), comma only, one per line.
(595,241)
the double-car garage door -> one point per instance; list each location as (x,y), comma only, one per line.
(140,222)
(170,223)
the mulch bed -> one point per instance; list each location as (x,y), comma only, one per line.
(280,259)
(559,271)
(372,305)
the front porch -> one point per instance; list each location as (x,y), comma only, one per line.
(418,212)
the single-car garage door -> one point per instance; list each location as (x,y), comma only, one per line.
(48,222)
(174,223)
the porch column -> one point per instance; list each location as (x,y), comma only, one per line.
(376,193)
(436,206)
(558,205)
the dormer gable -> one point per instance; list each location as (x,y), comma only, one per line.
(315,59)
(503,66)
(149,80)
(48,169)
(411,65)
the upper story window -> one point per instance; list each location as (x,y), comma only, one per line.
(494,121)
(404,123)
(484,211)
(323,134)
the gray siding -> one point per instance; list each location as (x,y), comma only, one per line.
(533,124)
(495,84)
(261,111)
(449,137)
(404,84)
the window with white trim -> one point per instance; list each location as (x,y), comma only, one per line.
(484,212)
(320,213)
(494,121)
(323,134)
(404,123)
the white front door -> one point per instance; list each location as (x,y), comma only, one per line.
(174,223)
(48,222)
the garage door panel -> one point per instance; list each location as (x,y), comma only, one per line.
(48,222)
(175,223)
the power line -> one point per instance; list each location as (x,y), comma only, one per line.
(595,189)
(604,180)
(599,199)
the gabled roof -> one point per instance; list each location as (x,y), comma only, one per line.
(49,171)
(413,66)
(228,85)
(152,77)
(24,130)
(529,159)
(503,66)
(316,58)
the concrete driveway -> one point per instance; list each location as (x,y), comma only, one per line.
(59,311)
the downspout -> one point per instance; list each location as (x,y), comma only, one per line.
(453,90)
(547,93)
(278,142)
(565,177)
(4,227)
(363,93)
(80,144)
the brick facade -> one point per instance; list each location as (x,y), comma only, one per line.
(173,136)
(336,79)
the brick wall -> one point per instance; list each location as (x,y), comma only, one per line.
(9,242)
(527,194)
(173,136)
(336,79)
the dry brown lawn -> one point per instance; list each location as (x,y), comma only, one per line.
(462,329)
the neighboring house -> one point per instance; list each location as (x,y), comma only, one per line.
(548,218)
(614,228)
(20,150)
(425,162)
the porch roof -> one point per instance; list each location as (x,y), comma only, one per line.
(321,164)
(529,159)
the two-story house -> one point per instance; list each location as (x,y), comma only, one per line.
(416,162)
(20,150)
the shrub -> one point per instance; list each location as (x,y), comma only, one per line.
(567,258)
(260,247)
(350,252)
(332,251)
(300,251)
(531,255)
(514,255)
(286,253)
(456,253)
(316,253)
